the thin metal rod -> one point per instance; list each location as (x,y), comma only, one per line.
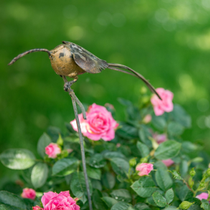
(76,101)
(27,52)
(82,152)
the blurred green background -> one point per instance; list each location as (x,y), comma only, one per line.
(167,41)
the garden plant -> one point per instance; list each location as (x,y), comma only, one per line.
(139,163)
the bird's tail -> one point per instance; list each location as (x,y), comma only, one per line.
(27,52)
(119,67)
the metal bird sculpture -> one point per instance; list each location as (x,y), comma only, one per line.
(71,60)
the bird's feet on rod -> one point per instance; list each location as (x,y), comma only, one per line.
(67,88)
(68,84)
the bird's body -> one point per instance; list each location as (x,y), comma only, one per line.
(69,59)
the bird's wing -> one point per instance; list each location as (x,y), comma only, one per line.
(86,60)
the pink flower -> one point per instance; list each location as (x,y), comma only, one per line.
(28,193)
(164,105)
(99,124)
(144,168)
(61,201)
(160,138)
(37,208)
(202,196)
(168,162)
(52,150)
(147,118)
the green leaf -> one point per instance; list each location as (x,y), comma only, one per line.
(120,166)
(110,155)
(53,132)
(64,166)
(109,201)
(141,206)
(78,186)
(184,193)
(180,116)
(159,199)
(96,184)
(143,149)
(94,173)
(17,159)
(145,135)
(205,204)
(159,122)
(144,187)
(176,175)
(175,129)
(7,207)
(183,168)
(121,195)
(12,200)
(120,206)
(185,205)
(97,200)
(108,180)
(127,131)
(44,141)
(169,195)
(167,150)
(97,161)
(163,179)
(39,174)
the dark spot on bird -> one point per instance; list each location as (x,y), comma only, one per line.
(61,55)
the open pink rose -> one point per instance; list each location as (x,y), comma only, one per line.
(144,168)
(203,196)
(164,105)
(55,201)
(52,150)
(99,124)
(28,193)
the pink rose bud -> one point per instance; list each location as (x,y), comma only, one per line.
(160,138)
(164,105)
(37,208)
(52,150)
(63,200)
(144,168)
(168,162)
(99,124)
(202,196)
(147,119)
(28,193)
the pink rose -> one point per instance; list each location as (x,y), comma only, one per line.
(99,124)
(147,118)
(28,193)
(52,150)
(55,201)
(37,208)
(168,162)
(203,196)
(159,138)
(164,105)
(144,168)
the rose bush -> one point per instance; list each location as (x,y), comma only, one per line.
(118,172)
